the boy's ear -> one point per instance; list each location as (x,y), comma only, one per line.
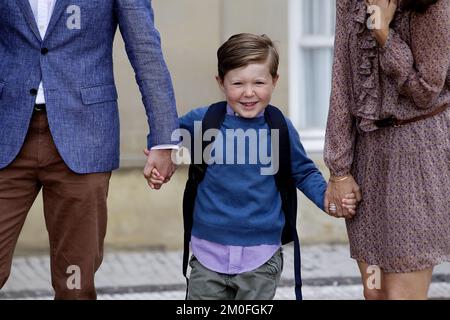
(275,80)
(220,83)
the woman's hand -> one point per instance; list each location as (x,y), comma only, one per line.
(382,18)
(339,201)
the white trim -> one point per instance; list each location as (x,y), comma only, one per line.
(313,41)
(313,134)
(294,9)
(312,139)
(314,145)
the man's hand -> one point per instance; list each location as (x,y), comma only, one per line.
(162,161)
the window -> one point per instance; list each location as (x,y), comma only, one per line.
(311,39)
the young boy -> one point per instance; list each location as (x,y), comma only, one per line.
(238,218)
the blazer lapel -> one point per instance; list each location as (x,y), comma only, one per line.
(29,16)
(60,6)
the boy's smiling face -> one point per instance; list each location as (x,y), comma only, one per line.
(248,89)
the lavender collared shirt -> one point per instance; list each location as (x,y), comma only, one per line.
(231,259)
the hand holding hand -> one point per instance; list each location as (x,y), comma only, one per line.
(341,197)
(156,180)
(160,160)
(349,203)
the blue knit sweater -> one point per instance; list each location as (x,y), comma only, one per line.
(236,204)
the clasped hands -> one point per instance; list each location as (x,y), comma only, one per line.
(342,197)
(159,167)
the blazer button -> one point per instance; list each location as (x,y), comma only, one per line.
(44,51)
(33,92)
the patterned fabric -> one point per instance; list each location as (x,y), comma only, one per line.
(403,222)
(78,79)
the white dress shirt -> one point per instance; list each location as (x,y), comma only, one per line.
(42,10)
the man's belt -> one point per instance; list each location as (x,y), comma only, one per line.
(39,107)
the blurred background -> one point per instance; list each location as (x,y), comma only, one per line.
(191,32)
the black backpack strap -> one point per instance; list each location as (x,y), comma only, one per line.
(213,119)
(288,191)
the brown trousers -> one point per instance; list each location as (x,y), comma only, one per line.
(74,209)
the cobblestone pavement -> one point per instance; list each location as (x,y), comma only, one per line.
(328,273)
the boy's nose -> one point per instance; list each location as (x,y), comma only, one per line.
(248,91)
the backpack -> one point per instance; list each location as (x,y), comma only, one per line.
(213,119)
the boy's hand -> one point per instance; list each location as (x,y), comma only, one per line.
(336,192)
(156,180)
(162,161)
(349,203)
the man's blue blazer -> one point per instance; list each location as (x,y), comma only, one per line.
(75,63)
